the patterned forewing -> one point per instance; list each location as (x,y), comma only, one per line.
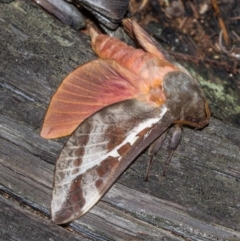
(92,159)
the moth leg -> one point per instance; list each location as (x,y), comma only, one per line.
(152,151)
(173,144)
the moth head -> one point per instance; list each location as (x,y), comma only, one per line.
(186,99)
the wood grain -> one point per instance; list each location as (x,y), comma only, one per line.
(198,200)
(20,224)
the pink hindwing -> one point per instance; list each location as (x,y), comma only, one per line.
(84,91)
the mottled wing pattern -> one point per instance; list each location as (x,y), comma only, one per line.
(86,90)
(99,150)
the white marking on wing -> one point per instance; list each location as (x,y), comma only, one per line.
(131,138)
(114,153)
(86,164)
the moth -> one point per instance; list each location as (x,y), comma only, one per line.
(114,108)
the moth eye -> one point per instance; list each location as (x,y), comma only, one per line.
(192,119)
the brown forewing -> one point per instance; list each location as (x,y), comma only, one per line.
(99,151)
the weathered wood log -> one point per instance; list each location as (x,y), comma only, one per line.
(198,200)
(19,224)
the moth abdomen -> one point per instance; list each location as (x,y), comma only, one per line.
(112,48)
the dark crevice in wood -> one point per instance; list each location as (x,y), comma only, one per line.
(198,200)
(25,204)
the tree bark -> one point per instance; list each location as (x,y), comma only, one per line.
(198,200)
